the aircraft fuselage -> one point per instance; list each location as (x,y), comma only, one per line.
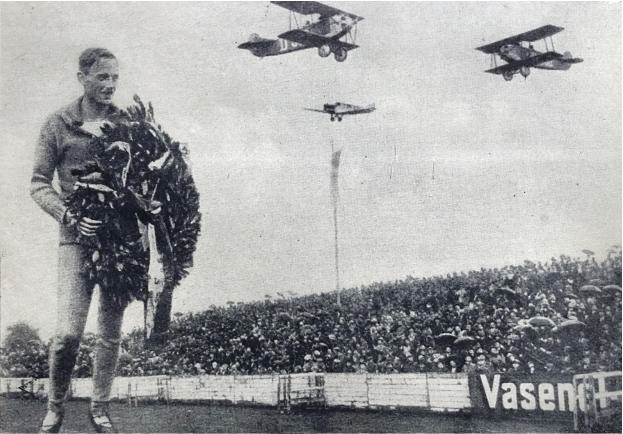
(513,53)
(279,46)
(337,108)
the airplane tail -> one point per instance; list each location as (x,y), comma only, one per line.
(568,58)
(256,44)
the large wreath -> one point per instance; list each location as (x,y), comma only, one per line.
(139,170)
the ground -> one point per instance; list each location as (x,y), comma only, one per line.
(25,415)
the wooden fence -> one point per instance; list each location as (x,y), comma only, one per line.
(435,392)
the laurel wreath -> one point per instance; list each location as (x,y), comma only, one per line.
(139,169)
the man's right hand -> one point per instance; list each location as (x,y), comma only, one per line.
(87,227)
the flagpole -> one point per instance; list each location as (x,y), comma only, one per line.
(337,267)
(337,263)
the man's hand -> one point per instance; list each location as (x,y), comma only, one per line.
(88,227)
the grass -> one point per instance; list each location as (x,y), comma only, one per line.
(25,416)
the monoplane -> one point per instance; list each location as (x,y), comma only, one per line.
(520,58)
(328,29)
(339,109)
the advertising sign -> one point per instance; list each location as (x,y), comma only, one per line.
(530,394)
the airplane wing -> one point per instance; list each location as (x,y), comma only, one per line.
(308,8)
(314,110)
(358,110)
(530,61)
(314,40)
(364,110)
(532,35)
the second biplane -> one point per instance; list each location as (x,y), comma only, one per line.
(521,58)
(328,30)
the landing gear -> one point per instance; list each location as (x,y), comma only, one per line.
(340,54)
(525,71)
(508,75)
(324,50)
(339,118)
(332,118)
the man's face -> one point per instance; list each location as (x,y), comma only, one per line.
(100,82)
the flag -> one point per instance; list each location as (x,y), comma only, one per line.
(335,166)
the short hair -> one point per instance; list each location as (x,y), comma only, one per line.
(91,55)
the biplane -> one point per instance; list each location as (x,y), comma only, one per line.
(328,29)
(339,109)
(520,58)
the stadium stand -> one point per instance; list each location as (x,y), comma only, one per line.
(563,315)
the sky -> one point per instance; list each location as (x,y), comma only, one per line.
(456,170)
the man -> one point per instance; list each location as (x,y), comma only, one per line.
(65,143)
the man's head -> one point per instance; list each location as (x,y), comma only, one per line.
(99,72)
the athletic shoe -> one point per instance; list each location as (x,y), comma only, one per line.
(101,421)
(52,422)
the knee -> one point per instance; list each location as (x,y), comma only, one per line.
(108,342)
(65,346)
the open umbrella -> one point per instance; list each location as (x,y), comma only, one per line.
(507,291)
(612,289)
(589,290)
(526,329)
(464,341)
(541,321)
(284,316)
(588,252)
(445,339)
(571,325)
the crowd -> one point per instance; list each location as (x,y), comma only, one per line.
(560,316)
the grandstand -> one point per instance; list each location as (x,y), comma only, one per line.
(392,327)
